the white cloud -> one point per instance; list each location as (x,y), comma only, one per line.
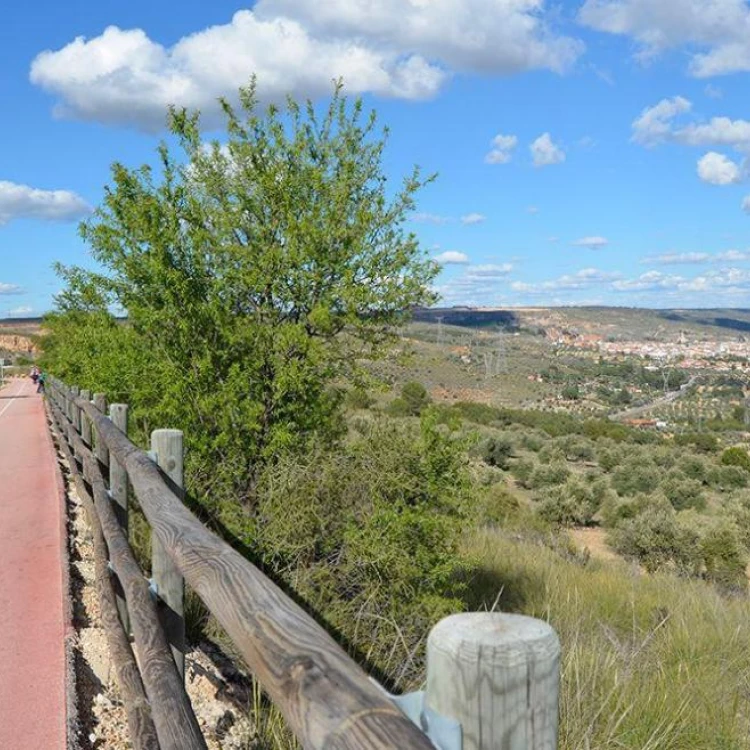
(677,259)
(452,257)
(533,210)
(713,92)
(473,218)
(593,243)
(502,149)
(427,218)
(656,125)
(392,48)
(489,36)
(10,288)
(717,169)
(545,152)
(746,204)
(22,310)
(716,32)
(583,279)
(489,271)
(24,202)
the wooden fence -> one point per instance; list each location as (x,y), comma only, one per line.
(492,679)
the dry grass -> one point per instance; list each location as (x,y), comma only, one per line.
(648,662)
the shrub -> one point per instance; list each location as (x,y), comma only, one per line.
(546,475)
(724,557)
(694,467)
(701,441)
(635,476)
(655,539)
(573,504)
(728,477)
(683,493)
(736,456)
(415,398)
(522,471)
(495,451)
(358,398)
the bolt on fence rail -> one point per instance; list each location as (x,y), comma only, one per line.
(492,678)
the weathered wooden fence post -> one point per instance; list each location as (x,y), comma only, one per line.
(498,676)
(167,450)
(75,412)
(118,491)
(85,423)
(100,449)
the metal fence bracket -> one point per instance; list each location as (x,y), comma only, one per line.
(443,731)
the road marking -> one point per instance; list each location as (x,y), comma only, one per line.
(12,400)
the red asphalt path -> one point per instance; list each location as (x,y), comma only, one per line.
(33,610)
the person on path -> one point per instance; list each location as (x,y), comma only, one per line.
(40,382)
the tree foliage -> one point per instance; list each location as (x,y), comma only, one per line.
(254,274)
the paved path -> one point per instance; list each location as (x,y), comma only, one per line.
(33,613)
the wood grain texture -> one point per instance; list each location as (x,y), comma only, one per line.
(85,423)
(176,725)
(327,699)
(118,491)
(137,710)
(170,585)
(498,675)
(100,448)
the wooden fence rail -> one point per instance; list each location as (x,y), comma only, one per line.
(495,675)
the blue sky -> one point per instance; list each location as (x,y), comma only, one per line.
(589,152)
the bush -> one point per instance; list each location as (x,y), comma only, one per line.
(495,451)
(728,477)
(359,398)
(724,557)
(368,534)
(682,492)
(546,475)
(635,476)
(573,504)
(655,539)
(701,441)
(736,456)
(416,396)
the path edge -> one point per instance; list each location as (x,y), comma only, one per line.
(69,633)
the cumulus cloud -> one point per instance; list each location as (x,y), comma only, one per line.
(592,243)
(427,218)
(694,258)
(452,257)
(473,218)
(545,153)
(583,279)
(392,48)
(473,35)
(10,288)
(477,285)
(24,202)
(716,33)
(502,149)
(656,125)
(717,169)
(22,310)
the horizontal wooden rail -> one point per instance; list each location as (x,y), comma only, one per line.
(327,699)
(176,725)
(492,678)
(137,710)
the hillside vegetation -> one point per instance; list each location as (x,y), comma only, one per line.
(265,282)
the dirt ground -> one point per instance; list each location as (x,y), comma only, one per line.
(219,692)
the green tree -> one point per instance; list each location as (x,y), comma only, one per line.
(255,273)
